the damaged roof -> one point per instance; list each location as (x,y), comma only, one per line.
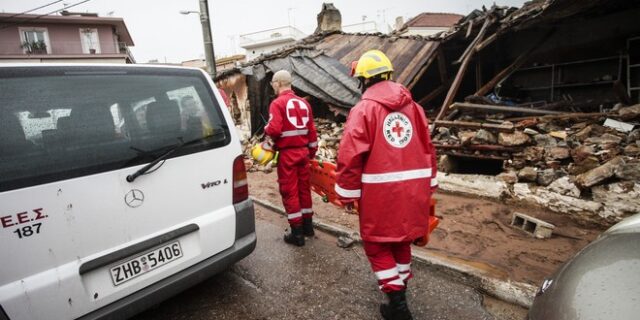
(408,54)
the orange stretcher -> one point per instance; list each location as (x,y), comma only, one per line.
(323,182)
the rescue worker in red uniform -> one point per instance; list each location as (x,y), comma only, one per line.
(294,134)
(387,163)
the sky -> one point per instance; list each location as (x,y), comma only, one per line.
(160,32)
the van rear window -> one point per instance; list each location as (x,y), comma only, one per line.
(64,122)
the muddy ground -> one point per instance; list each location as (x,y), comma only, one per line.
(475,230)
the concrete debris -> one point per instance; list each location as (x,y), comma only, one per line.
(528,174)
(546,177)
(534,226)
(546,141)
(480,185)
(517,138)
(564,186)
(509,177)
(483,136)
(621,199)
(630,113)
(345,242)
(558,153)
(557,202)
(599,174)
(618,125)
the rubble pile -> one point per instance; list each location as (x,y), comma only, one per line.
(582,155)
(329,135)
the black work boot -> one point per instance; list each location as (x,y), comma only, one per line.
(397,309)
(307,227)
(295,237)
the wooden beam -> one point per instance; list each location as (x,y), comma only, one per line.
(475,156)
(488,107)
(520,60)
(420,73)
(567,116)
(432,95)
(489,40)
(475,125)
(453,90)
(442,67)
(481,147)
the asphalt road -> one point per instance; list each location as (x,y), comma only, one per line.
(317,281)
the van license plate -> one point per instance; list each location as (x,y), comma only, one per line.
(146,262)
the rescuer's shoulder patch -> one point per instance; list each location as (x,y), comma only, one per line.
(397,129)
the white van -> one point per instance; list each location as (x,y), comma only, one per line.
(120,186)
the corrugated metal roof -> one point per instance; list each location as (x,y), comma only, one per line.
(407,55)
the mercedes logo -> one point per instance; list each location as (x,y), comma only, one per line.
(134,198)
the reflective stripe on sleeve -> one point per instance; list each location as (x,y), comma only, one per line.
(347,193)
(294,215)
(434,182)
(293,133)
(396,176)
(386,274)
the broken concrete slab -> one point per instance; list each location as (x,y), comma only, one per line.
(564,186)
(620,199)
(599,174)
(555,201)
(480,185)
(528,174)
(517,138)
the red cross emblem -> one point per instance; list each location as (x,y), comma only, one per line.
(398,129)
(297,113)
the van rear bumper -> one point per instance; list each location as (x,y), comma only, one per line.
(141,300)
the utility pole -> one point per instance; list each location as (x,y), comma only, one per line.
(208,40)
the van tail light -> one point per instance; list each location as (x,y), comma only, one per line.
(240,183)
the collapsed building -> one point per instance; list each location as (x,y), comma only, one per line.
(547,94)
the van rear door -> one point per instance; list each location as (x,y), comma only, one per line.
(77,234)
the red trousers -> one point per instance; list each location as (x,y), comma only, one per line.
(391,263)
(295,188)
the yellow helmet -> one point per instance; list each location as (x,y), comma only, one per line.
(371,63)
(262,153)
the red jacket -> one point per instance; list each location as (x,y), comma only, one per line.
(291,123)
(387,161)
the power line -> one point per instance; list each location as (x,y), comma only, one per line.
(46,14)
(34,9)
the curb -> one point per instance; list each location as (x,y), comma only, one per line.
(518,293)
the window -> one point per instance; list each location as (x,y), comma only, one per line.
(90,41)
(65,125)
(35,40)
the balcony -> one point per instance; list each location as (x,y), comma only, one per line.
(270,37)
